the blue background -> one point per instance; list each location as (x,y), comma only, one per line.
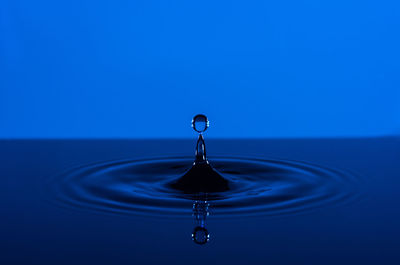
(99,69)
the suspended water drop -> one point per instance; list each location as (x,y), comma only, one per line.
(200,123)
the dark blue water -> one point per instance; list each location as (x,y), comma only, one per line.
(255,187)
(289,202)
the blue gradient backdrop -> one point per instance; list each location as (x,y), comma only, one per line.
(100,69)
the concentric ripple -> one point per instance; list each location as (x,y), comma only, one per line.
(265,187)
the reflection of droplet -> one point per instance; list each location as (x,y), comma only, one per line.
(200,235)
(200,123)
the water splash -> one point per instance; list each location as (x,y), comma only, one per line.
(202,177)
(167,186)
(200,124)
(200,154)
(256,187)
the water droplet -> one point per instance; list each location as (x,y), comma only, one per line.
(200,123)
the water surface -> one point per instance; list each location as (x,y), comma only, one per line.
(51,211)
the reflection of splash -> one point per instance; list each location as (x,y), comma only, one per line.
(200,233)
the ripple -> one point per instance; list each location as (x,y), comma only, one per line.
(257,187)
